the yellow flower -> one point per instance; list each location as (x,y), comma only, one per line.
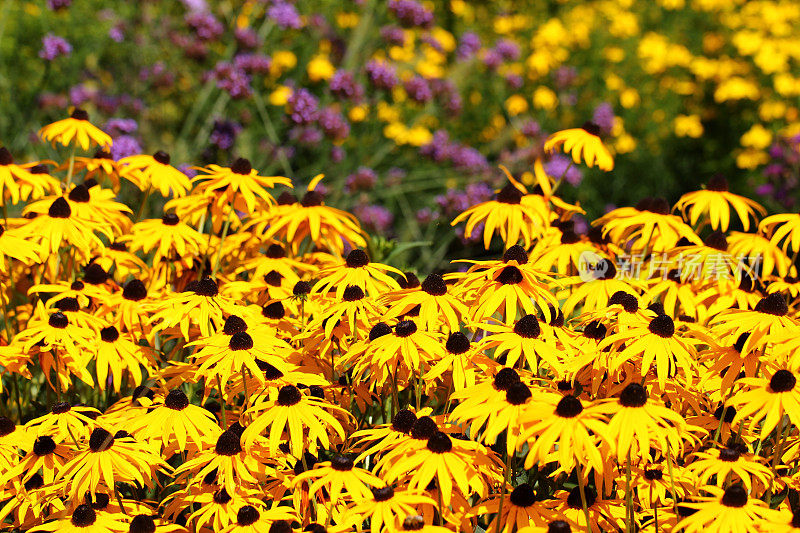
(688,126)
(283,60)
(320,68)
(544,98)
(583,142)
(280,96)
(757,137)
(358,113)
(751,158)
(516,105)
(75,128)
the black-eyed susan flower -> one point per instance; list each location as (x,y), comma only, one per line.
(341,479)
(385,507)
(65,422)
(506,214)
(59,226)
(436,305)
(84,519)
(107,460)
(77,129)
(522,342)
(307,420)
(520,509)
(252,520)
(240,185)
(154,171)
(19,183)
(231,463)
(169,239)
(768,400)
(357,270)
(177,424)
(200,305)
(715,203)
(732,463)
(584,144)
(728,510)
(760,253)
(639,421)
(768,323)
(605,514)
(647,227)
(117,354)
(99,167)
(326,226)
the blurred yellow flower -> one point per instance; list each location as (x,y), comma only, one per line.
(751,158)
(280,95)
(346,19)
(625,144)
(282,60)
(688,126)
(757,137)
(516,105)
(629,98)
(544,98)
(387,113)
(418,135)
(736,88)
(615,54)
(320,68)
(771,110)
(358,113)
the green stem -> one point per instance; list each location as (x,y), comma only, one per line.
(781,432)
(271,132)
(222,404)
(672,480)
(503,492)
(71,168)
(441,510)
(583,497)
(628,496)
(225,229)
(144,201)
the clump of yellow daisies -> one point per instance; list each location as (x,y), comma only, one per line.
(239,363)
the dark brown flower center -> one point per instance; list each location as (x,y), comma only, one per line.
(162,157)
(273,311)
(663,326)
(134,291)
(228,444)
(34,482)
(142,524)
(170,219)
(717,183)
(558,526)
(7,426)
(523,496)
(591,128)
(58,320)
(60,408)
(405,328)
(177,400)
(68,305)
(509,195)
(247,515)
(528,327)
(100,440)
(716,240)
(404,421)
(457,343)
(729,455)
(774,304)
(84,515)
(289,395)
(408,281)
(440,442)
(434,285)
(413,523)
(653,474)
(782,381)
(735,496)
(569,407)
(353,293)
(357,259)
(518,393)
(79,114)
(341,463)
(5,157)
(379,330)
(634,395)
(234,324)
(44,445)
(595,330)
(516,253)
(382,494)
(94,274)
(510,275)
(424,428)
(241,166)
(80,194)
(301,288)
(626,300)
(505,378)
(59,209)
(574,498)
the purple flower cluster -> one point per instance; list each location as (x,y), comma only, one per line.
(508,50)
(343,85)
(205,25)
(116,34)
(418,89)
(381,75)
(231,79)
(469,45)
(559,164)
(411,13)
(158,75)
(119,126)
(55,5)
(463,157)
(393,35)
(124,146)
(54,46)
(246,38)
(223,135)
(603,116)
(303,106)
(374,218)
(363,179)
(447,94)
(285,15)
(781,174)
(253,63)
(565,76)
(333,124)
(455,201)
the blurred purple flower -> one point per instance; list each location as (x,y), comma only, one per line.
(54,46)
(308,135)
(439,148)
(469,45)
(374,217)
(55,5)
(508,50)
(426,215)
(333,124)
(559,164)
(492,59)
(231,79)
(418,89)
(344,85)
(195,5)
(303,106)
(224,133)
(514,81)
(188,170)
(253,63)
(531,128)
(116,34)
(393,35)
(603,116)
(411,13)
(119,126)
(468,158)
(381,75)
(765,189)
(246,37)
(80,94)
(337,154)
(125,146)
(565,76)
(285,15)
(363,179)
(205,25)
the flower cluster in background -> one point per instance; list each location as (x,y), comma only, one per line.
(443,91)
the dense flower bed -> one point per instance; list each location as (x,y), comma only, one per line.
(240,362)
